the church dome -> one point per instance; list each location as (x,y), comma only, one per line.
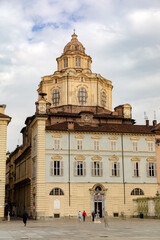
(74,46)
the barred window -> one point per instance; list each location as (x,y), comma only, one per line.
(78,61)
(65,62)
(82,96)
(137,191)
(56,191)
(103,99)
(55,97)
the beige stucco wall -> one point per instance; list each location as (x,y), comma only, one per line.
(81,198)
(3,140)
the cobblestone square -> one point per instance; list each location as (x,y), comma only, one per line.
(71,229)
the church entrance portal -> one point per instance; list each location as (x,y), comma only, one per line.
(98,202)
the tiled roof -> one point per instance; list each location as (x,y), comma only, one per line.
(111,128)
(4,116)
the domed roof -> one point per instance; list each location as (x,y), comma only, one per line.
(74,45)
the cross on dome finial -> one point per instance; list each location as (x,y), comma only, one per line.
(74,31)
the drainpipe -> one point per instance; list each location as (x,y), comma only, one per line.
(67,87)
(69,174)
(124,190)
(97,95)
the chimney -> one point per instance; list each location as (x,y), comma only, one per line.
(70,125)
(154,123)
(147,123)
(2,108)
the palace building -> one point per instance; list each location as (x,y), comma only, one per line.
(77,153)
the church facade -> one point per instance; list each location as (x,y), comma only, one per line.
(78,154)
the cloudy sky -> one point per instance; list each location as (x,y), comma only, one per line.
(121,36)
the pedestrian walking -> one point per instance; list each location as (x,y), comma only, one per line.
(105,219)
(25,217)
(79,216)
(84,214)
(93,215)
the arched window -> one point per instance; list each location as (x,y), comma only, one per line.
(56,191)
(103,99)
(82,96)
(55,97)
(137,191)
(98,189)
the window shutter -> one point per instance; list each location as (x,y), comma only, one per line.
(112,169)
(118,169)
(92,169)
(134,169)
(155,169)
(51,168)
(84,168)
(61,165)
(147,169)
(75,168)
(101,169)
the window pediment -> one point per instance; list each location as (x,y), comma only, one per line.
(149,139)
(79,137)
(80,157)
(57,157)
(57,135)
(113,138)
(96,158)
(134,138)
(96,137)
(114,158)
(135,159)
(151,159)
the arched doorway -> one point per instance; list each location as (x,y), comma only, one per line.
(98,199)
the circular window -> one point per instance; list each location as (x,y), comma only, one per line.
(103,99)
(55,97)
(82,96)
